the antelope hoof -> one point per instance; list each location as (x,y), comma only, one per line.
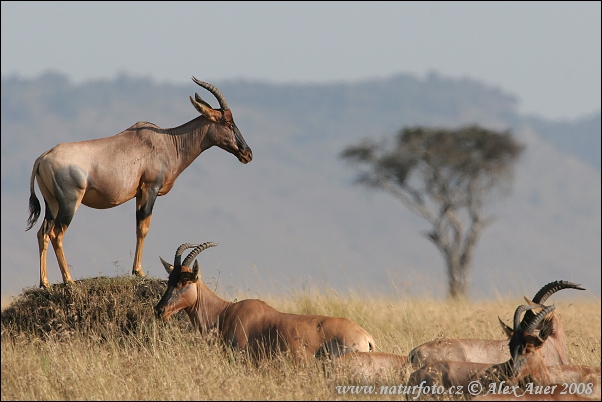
(138,273)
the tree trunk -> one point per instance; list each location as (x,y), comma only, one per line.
(457,279)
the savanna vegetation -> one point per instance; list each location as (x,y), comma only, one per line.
(445,176)
(98,340)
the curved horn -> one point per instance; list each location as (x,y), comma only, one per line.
(178,258)
(538,318)
(518,312)
(190,257)
(553,287)
(548,290)
(218,95)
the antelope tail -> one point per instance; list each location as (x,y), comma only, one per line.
(34,203)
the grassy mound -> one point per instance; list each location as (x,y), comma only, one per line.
(101,307)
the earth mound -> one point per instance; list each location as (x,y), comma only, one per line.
(101,307)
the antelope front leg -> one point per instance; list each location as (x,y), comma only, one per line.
(144,212)
(142,226)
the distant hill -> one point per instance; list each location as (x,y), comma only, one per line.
(579,138)
(293,215)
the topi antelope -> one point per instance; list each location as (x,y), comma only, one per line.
(142,162)
(251,325)
(495,351)
(525,370)
(529,363)
(460,373)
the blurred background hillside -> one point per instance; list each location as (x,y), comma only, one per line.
(293,216)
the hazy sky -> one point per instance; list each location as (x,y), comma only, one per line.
(547,54)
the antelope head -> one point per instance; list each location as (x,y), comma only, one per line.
(526,342)
(224,132)
(181,292)
(540,297)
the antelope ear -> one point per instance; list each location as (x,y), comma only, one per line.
(532,303)
(546,330)
(507,330)
(204,109)
(198,99)
(168,266)
(536,306)
(195,270)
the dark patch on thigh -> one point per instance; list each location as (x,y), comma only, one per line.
(68,181)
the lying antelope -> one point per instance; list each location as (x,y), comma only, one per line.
(142,162)
(251,325)
(460,373)
(529,363)
(495,351)
(526,366)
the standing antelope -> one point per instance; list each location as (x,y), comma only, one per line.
(252,325)
(142,162)
(495,351)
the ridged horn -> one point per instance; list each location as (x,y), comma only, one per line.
(218,95)
(518,312)
(548,290)
(177,261)
(190,257)
(553,287)
(539,318)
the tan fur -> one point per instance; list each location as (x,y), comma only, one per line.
(496,351)
(526,369)
(141,162)
(489,351)
(532,367)
(255,327)
(527,364)
(457,373)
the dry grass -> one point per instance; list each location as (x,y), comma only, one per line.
(98,340)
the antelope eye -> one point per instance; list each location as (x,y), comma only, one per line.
(185,279)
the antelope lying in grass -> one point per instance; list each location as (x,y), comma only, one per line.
(529,364)
(496,351)
(252,326)
(142,162)
(525,370)
(459,373)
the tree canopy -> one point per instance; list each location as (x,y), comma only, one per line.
(443,175)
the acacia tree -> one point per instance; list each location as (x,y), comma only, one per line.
(444,176)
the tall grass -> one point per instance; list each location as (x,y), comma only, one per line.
(98,340)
